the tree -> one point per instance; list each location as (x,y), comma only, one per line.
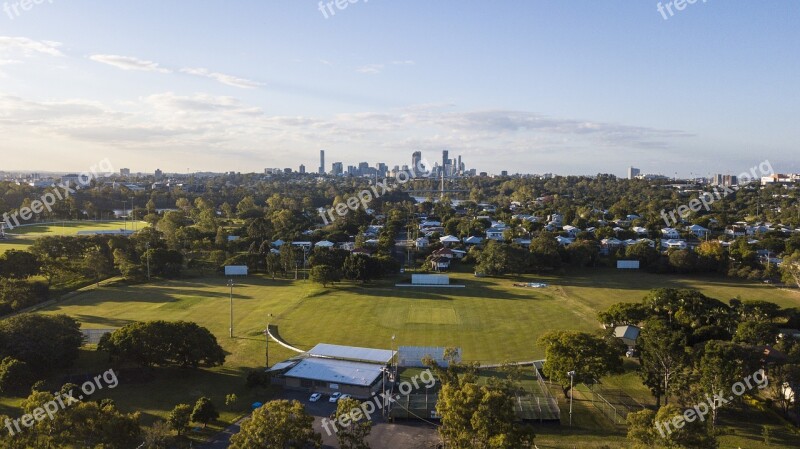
(278,424)
(790,267)
(179,418)
(477,416)
(589,356)
(756,333)
(624,313)
(96,264)
(683,260)
(641,429)
(44,342)
(642,252)
(204,411)
(15,377)
(545,253)
(495,259)
(718,369)
(157,436)
(19,264)
(695,434)
(662,356)
(324,274)
(163,343)
(353,435)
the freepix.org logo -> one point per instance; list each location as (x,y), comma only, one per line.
(59,192)
(17,8)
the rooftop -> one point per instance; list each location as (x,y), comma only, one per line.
(337,371)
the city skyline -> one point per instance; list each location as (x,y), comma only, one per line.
(567,88)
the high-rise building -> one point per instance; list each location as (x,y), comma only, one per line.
(416,159)
(445,160)
(459,167)
(633,172)
(159,174)
(321,162)
(337,168)
(124,171)
(302,169)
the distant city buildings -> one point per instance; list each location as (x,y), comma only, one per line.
(633,172)
(124,171)
(302,169)
(725,180)
(322,162)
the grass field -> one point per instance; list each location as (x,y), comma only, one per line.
(22,237)
(491,320)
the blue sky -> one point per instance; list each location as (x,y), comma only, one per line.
(569,87)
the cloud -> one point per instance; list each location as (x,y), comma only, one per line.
(210,127)
(374,69)
(228,80)
(28,47)
(128,63)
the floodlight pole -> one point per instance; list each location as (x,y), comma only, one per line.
(231,284)
(571,375)
(266,335)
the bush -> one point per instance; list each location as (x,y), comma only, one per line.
(15,377)
(257,378)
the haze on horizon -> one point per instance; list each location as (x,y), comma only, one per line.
(525,86)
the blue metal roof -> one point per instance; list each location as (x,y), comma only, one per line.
(367,355)
(337,371)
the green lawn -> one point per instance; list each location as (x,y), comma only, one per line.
(491,320)
(22,237)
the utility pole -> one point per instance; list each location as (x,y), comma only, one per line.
(147,246)
(266,335)
(231,284)
(571,375)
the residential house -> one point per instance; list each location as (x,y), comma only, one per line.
(440,263)
(444,252)
(495,233)
(422,243)
(449,240)
(640,231)
(472,240)
(698,231)
(670,233)
(628,335)
(564,241)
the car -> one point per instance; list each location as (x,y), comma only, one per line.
(315,397)
(345,396)
(335,397)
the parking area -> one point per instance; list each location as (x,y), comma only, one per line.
(405,434)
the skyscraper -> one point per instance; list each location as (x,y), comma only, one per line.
(321,162)
(337,168)
(416,158)
(445,158)
(633,172)
(302,169)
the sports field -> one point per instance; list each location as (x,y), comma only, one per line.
(490,319)
(22,237)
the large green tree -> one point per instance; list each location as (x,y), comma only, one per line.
(354,434)
(163,343)
(278,424)
(589,356)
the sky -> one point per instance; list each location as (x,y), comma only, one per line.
(527,86)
